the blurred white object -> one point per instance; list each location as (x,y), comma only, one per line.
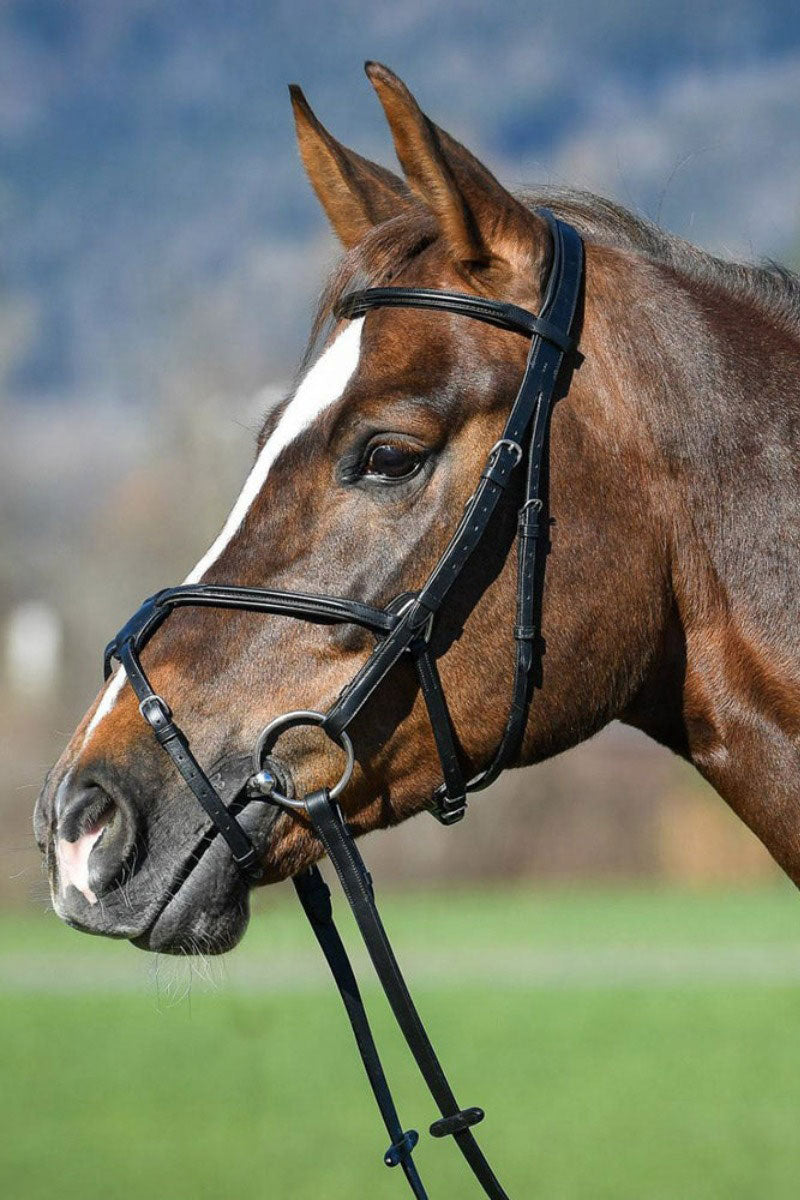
(32,639)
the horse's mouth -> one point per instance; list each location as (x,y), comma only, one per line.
(177,889)
(206,907)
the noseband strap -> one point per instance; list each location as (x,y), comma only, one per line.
(402,629)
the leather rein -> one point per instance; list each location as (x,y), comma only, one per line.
(403,628)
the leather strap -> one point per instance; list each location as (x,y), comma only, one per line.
(561,302)
(315,898)
(452,802)
(302,605)
(527,424)
(500,313)
(355,694)
(356,883)
(171,738)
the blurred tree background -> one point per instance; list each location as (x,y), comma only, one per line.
(161,254)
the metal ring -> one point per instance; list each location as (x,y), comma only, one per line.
(270,734)
(515,446)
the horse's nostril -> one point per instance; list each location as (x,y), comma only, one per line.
(93,841)
(86,809)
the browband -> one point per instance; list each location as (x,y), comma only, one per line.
(499,313)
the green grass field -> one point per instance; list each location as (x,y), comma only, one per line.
(624,1043)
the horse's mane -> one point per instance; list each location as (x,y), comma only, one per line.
(770,285)
(389,247)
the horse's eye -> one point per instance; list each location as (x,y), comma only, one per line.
(390,461)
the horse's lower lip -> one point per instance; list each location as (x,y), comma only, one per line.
(207,908)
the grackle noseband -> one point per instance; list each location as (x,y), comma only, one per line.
(402,628)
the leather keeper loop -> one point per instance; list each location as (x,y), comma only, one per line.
(504,457)
(447,810)
(497,473)
(317,898)
(250,864)
(460,1122)
(529,523)
(166,734)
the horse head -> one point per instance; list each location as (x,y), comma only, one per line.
(359,481)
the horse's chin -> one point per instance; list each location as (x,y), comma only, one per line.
(208,911)
(207,915)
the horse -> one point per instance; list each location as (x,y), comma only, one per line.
(670,597)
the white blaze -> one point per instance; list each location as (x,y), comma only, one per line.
(321,387)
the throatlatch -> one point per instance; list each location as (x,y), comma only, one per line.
(403,628)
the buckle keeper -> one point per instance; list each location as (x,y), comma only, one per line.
(447,810)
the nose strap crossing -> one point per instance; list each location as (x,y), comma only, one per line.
(134,635)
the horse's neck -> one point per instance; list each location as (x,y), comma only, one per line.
(730,444)
(732,508)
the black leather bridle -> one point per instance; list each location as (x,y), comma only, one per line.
(402,629)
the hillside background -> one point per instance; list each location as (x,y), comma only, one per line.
(160,254)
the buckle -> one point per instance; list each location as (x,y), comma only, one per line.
(498,467)
(505,443)
(155,711)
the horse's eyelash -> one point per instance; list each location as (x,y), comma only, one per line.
(351,464)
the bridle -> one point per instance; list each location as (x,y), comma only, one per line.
(402,629)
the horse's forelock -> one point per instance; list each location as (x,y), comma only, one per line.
(374,262)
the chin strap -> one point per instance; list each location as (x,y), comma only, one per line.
(329,825)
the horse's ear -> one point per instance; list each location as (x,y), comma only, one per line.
(482,222)
(355,193)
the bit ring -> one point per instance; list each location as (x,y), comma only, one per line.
(291,720)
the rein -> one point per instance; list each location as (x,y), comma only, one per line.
(402,628)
